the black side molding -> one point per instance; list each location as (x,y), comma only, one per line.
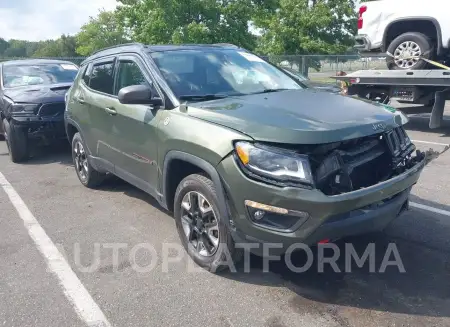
(204,165)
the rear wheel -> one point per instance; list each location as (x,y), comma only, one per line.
(87,175)
(202,231)
(16,140)
(407,49)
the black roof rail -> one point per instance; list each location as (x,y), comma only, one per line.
(119,46)
(226,45)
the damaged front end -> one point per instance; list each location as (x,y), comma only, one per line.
(351,165)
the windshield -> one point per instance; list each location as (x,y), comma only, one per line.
(39,74)
(225,72)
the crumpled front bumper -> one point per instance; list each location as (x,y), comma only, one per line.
(40,126)
(329,217)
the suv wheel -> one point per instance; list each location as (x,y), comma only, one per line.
(2,130)
(407,50)
(87,175)
(16,140)
(203,234)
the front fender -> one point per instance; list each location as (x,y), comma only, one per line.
(205,166)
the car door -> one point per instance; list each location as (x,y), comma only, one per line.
(99,100)
(135,126)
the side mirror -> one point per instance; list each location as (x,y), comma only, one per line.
(138,94)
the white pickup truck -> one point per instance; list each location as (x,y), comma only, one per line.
(405,30)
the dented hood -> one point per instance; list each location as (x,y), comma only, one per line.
(38,93)
(298,116)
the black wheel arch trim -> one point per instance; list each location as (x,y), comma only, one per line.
(69,121)
(202,164)
(440,48)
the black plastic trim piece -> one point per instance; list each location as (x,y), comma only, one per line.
(204,165)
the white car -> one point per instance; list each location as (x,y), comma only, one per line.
(405,30)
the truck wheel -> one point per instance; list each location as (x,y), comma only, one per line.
(204,235)
(87,175)
(16,140)
(407,48)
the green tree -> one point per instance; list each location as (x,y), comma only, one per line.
(3,46)
(302,27)
(100,32)
(308,27)
(65,46)
(18,48)
(190,21)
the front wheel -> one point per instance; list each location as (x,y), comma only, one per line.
(202,231)
(87,175)
(406,50)
(16,140)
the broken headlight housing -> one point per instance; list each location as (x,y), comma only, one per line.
(23,107)
(275,164)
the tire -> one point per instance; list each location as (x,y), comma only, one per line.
(87,175)
(423,44)
(2,130)
(17,141)
(225,251)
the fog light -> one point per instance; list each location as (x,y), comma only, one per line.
(259,214)
(274,217)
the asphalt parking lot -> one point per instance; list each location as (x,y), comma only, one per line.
(44,207)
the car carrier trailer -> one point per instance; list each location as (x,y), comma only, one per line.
(430,88)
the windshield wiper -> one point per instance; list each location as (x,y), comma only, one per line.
(270,91)
(202,97)
(273,90)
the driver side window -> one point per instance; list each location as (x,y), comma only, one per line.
(129,73)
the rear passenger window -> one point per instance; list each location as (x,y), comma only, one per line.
(102,78)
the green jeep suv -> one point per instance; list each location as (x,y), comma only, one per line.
(238,150)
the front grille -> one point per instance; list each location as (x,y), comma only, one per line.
(353,165)
(399,144)
(51,109)
(363,162)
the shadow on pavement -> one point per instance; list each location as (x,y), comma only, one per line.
(55,153)
(420,123)
(422,240)
(423,289)
(423,244)
(115,184)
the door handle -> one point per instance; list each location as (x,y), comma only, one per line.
(111,111)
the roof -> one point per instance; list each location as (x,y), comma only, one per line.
(138,47)
(34,62)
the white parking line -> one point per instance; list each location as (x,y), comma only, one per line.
(427,142)
(76,293)
(428,208)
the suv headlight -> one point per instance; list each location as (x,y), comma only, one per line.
(23,107)
(274,163)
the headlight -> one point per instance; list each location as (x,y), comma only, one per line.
(273,163)
(24,107)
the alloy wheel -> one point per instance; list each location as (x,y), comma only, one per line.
(407,54)
(200,224)
(81,163)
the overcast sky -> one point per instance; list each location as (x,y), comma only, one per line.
(46,19)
